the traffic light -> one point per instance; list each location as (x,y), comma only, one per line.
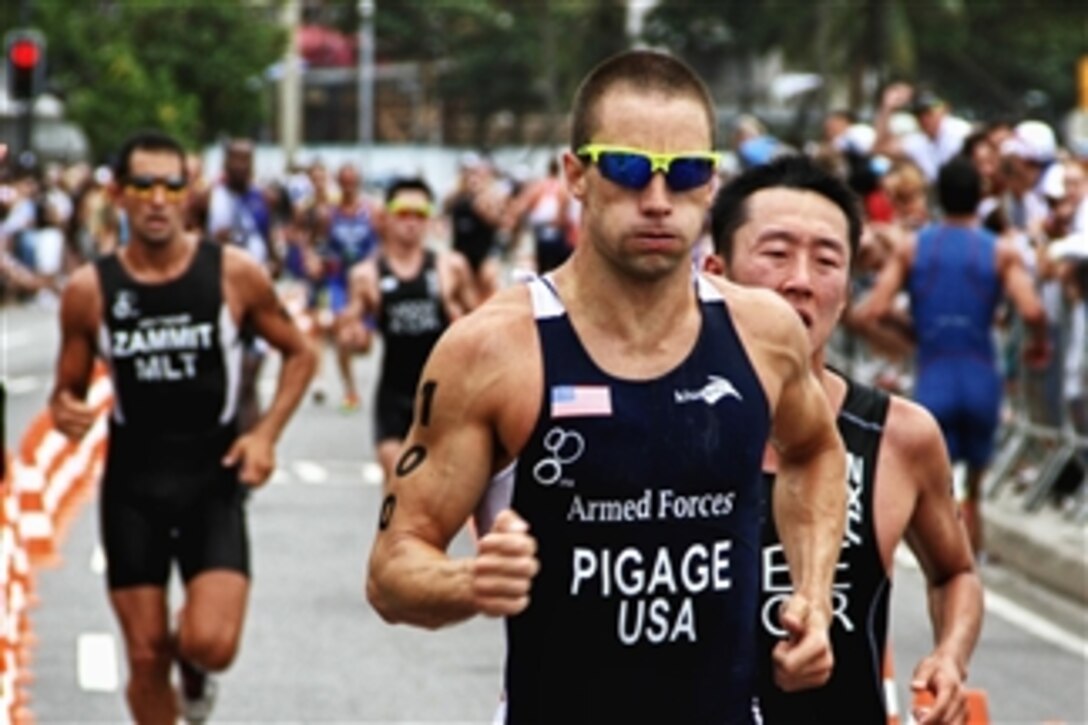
(25,54)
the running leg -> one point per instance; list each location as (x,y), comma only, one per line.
(210,622)
(141,612)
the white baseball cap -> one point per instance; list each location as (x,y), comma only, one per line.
(1074,246)
(1031,140)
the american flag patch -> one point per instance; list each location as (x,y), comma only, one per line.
(581,401)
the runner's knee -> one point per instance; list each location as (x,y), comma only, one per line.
(213,654)
(211,648)
(149,658)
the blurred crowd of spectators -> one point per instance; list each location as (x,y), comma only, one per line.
(1034,195)
(53,217)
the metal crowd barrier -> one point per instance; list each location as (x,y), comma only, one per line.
(1055,448)
(1024,445)
(1049,446)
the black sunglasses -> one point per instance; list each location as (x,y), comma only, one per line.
(144,184)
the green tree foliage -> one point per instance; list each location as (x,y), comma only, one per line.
(990,57)
(709,35)
(197,68)
(515,56)
(843,40)
(492,56)
(1002,57)
(190,67)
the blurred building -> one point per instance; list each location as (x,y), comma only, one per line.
(53,138)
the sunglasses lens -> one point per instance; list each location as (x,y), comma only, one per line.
(141,183)
(630,170)
(688,173)
(634,171)
(173,185)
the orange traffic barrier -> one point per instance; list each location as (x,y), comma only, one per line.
(891,696)
(978,705)
(16,595)
(52,474)
(44,484)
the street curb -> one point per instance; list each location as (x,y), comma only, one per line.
(1041,545)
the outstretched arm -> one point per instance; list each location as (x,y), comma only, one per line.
(444,469)
(363,301)
(80,309)
(261,306)
(810,511)
(1020,289)
(894,97)
(809,506)
(936,536)
(891,278)
(459,293)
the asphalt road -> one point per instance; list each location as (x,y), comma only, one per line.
(314,651)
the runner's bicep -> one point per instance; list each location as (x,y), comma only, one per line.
(935,532)
(444,464)
(74,365)
(802,422)
(78,347)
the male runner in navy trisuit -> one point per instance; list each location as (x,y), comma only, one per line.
(628,400)
(957,273)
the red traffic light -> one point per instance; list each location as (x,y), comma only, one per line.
(24,53)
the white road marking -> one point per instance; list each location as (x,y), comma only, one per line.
(373,474)
(310,472)
(1017,615)
(1031,623)
(97,655)
(98,559)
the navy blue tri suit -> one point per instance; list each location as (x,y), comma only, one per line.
(411,319)
(174,355)
(643,496)
(954,292)
(855,692)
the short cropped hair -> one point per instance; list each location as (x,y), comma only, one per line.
(959,187)
(408,184)
(642,70)
(147,140)
(730,209)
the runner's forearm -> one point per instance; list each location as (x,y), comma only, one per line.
(413,583)
(956,613)
(295,374)
(809,508)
